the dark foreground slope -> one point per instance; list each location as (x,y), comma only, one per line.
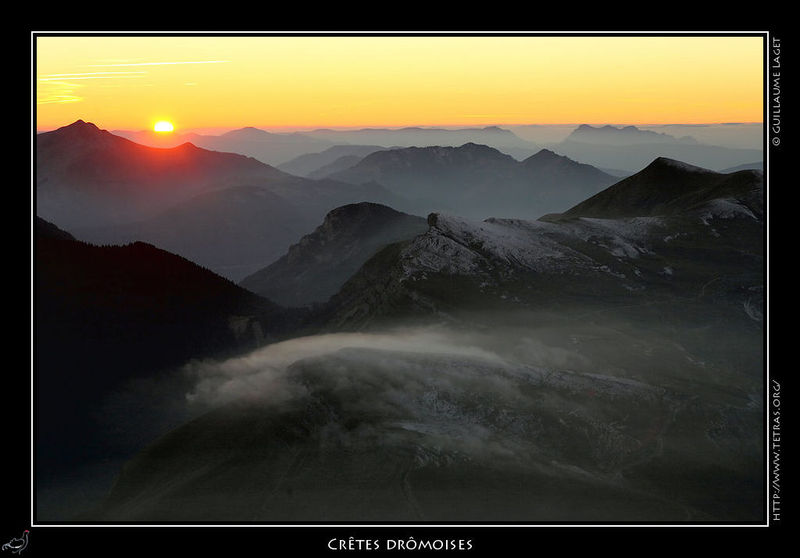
(109,316)
(574,368)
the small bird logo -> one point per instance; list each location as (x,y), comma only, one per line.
(17,545)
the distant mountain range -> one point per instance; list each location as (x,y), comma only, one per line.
(479,181)
(625,135)
(283,148)
(267,147)
(316,267)
(319,165)
(631,149)
(494,136)
(595,145)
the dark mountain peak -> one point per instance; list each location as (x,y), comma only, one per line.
(350,218)
(79,128)
(80,125)
(666,187)
(665,164)
(477,147)
(482,152)
(188,146)
(353,212)
(76,137)
(546,155)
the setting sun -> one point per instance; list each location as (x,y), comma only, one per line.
(163,126)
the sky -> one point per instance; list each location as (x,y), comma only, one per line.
(283,82)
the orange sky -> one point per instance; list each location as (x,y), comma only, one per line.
(337,81)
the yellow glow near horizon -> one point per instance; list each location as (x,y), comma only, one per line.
(163,126)
(350,81)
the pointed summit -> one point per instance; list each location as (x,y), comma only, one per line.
(78,128)
(545,154)
(78,124)
(665,187)
(68,140)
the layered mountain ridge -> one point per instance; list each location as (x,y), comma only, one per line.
(631,149)
(228,212)
(478,181)
(664,231)
(622,136)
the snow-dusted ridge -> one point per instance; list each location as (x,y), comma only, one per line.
(454,245)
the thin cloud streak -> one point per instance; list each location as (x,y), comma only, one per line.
(159,63)
(65,99)
(56,91)
(91,77)
(90,74)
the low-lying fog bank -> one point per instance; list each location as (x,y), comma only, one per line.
(628,415)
